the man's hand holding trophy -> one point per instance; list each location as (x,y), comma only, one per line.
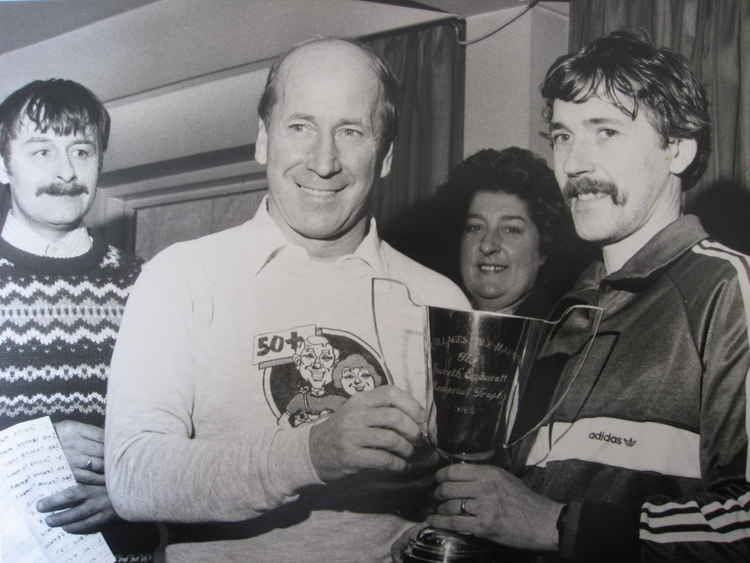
(478,366)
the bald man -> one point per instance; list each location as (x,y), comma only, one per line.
(202,432)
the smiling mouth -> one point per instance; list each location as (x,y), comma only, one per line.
(491,268)
(327,192)
(587,196)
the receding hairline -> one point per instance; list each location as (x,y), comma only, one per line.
(315,44)
(353,48)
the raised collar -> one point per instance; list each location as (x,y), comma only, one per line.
(74,243)
(664,248)
(269,240)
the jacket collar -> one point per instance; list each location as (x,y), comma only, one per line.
(664,248)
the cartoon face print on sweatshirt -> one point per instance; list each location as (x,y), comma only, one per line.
(310,371)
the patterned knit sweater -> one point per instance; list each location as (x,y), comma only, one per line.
(59,318)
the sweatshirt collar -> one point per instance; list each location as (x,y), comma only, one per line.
(269,241)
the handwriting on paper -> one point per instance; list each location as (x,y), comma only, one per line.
(33,466)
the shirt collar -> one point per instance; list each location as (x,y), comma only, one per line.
(270,240)
(74,243)
(267,238)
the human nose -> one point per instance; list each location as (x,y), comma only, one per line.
(491,242)
(324,157)
(577,158)
(65,169)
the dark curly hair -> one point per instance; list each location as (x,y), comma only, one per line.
(431,231)
(629,71)
(515,171)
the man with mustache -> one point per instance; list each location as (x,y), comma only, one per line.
(646,456)
(213,325)
(62,294)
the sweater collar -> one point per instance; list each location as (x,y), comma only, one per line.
(44,265)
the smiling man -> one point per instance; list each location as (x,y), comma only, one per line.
(62,294)
(214,326)
(645,458)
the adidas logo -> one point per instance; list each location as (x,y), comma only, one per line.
(612,439)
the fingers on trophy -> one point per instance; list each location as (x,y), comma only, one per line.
(477,365)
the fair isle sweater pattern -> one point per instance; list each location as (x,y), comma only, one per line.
(59,318)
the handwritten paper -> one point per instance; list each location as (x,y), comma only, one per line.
(33,466)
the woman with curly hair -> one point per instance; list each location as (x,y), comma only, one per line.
(500,228)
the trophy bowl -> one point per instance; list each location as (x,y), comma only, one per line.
(474,357)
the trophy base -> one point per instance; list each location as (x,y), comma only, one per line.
(434,545)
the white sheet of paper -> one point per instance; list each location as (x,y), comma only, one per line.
(33,466)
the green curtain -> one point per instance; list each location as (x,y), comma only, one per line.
(715,37)
(430,67)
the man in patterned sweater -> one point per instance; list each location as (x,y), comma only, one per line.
(62,294)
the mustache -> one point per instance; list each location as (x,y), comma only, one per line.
(60,189)
(577,186)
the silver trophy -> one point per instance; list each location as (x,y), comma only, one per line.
(478,366)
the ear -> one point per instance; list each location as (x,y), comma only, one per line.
(385,167)
(4,174)
(681,154)
(261,143)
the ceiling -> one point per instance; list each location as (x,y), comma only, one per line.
(167,69)
(24,23)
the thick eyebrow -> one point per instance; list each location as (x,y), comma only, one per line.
(303,116)
(513,218)
(350,121)
(339,123)
(554,125)
(77,141)
(604,121)
(590,122)
(504,217)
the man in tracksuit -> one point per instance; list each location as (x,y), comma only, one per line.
(646,456)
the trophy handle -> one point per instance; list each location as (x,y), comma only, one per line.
(400,331)
(585,327)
